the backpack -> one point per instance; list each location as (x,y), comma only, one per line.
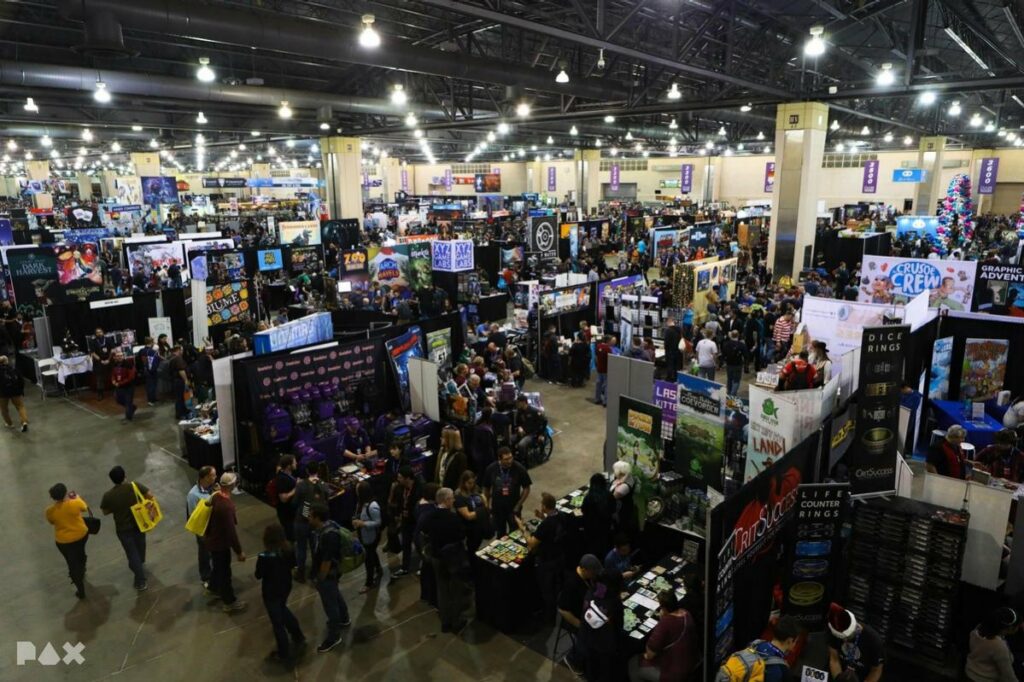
(528,370)
(309,494)
(747,665)
(271,492)
(353,555)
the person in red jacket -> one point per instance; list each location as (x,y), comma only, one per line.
(604,348)
(221,538)
(122,376)
(798,374)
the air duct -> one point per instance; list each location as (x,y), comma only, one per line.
(103,38)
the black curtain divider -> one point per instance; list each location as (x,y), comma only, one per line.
(918,352)
(487,258)
(81,320)
(176,309)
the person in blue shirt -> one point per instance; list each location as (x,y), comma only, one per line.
(355,443)
(785,634)
(202,490)
(641,247)
(620,558)
(688,321)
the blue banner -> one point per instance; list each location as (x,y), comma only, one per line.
(79,236)
(400,349)
(305,331)
(917,225)
(908,175)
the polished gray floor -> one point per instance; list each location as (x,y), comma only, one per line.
(168,632)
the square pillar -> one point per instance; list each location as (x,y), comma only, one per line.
(800,131)
(343,176)
(930,156)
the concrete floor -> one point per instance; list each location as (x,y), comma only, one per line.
(168,632)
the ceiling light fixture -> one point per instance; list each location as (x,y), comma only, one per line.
(504,128)
(767,149)
(614,151)
(673,125)
(888,137)
(955,37)
(87,135)
(840,148)
(865,131)
(201,118)
(629,134)
(673,92)
(522,110)
(153,144)
(290,144)
(815,47)
(954,108)
(31,106)
(907,141)
(398,96)
(975,121)
(609,119)
(204,73)
(491,136)
(115,146)
(927,97)
(597,143)
(562,77)
(574,131)
(550,140)
(137,128)
(721,131)
(989,127)
(885,77)
(284,111)
(325,126)
(709,145)
(746,107)
(418,134)
(369,38)
(760,135)
(101,94)
(254,133)
(46,141)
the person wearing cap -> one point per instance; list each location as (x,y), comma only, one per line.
(1003,459)
(821,362)
(946,457)
(853,646)
(989,658)
(355,442)
(570,604)
(221,538)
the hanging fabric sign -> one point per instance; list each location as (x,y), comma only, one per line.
(989,171)
(405,180)
(769,177)
(615,177)
(686,178)
(870,183)
(552,179)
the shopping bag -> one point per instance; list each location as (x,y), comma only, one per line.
(200,518)
(146,512)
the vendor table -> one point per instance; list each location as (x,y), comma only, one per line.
(979,433)
(74,364)
(506,588)
(200,451)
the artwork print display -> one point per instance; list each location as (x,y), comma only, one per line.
(227,303)
(984,370)
(638,438)
(700,429)
(950,284)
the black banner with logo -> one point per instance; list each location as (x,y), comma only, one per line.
(873,455)
(814,552)
(234,183)
(999,290)
(543,237)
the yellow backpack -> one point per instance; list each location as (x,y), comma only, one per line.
(747,665)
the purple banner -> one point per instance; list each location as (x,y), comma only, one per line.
(686,178)
(448,180)
(989,171)
(495,170)
(366,179)
(870,182)
(552,179)
(615,178)
(769,177)
(405,180)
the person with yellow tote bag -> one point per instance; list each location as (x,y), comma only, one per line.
(198,511)
(120,501)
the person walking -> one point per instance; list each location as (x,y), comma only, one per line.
(12,391)
(119,501)
(204,487)
(447,554)
(707,356)
(308,493)
(149,360)
(734,352)
(274,571)
(672,336)
(179,381)
(327,567)
(70,532)
(601,353)
(368,524)
(407,494)
(122,376)
(284,491)
(221,538)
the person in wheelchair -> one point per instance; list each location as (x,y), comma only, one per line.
(529,425)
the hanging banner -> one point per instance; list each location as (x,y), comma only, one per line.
(33,278)
(700,429)
(989,172)
(299,232)
(400,349)
(543,237)
(159,190)
(873,465)
(665,396)
(227,303)
(942,360)
(439,348)
(999,290)
(306,331)
(949,283)
(347,365)
(869,185)
(769,177)
(405,179)
(552,178)
(614,178)
(815,554)
(638,439)
(448,180)
(984,370)
(78,270)
(772,430)
(839,323)
(686,178)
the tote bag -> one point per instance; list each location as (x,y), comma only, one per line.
(146,512)
(200,518)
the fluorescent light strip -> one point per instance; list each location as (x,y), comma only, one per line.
(966,48)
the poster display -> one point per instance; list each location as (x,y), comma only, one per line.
(390,268)
(153,257)
(700,429)
(606,289)
(984,371)
(159,190)
(6,232)
(999,290)
(564,300)
(400,349)
(420,273)
(303,259)
(949,283)
(33,279)
(942,360)
(543,237)
(439,348)
(78,270)
(839,324)
(513,257)
(815,556)
(227,303)
(222,267)
(638,438)
(874,452)
(299,232)
(347,365)
(665,396)
(771,432)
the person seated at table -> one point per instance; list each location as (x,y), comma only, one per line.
(670,652)
(946,457)
(1003,459)
(570,606)
(527,423)
(514,364)
(479,368)
(380,427)
(355,443)
(479,394)
(620,558)
(496,337)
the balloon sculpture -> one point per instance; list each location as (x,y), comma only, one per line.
(957,206)
(1020,216)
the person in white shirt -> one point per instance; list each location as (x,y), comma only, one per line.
(707,356)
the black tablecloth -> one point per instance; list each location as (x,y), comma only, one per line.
(200,453)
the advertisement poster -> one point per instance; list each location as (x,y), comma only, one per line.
(747,540)
(400,349)
(665,396)
(159,190)
(389,268)
(352,262)
(420,274)
(984,371)
(439,348)
(543,237)
(606,290)
(999,290)
(839,323)
(78,269)
(6,232)
(223,267)
(484,183)
(638,439)
(949,283)
(564,300)
(269,259)
(153,257)
(771,432)
(873,455)
(299,232)
(306,331)
(917,226)
(303,259)
(869,184)
(700,429)
(227,303)
(988,175)
(614,177)
(942,360)
(33,276)
(769,177)
(512,258)
(815,554)
(686,178)
(347,364)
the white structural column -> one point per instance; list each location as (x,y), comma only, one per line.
(342,176)
(84,186)
(391,177)
(39,170)
(800,130)
(589,174)
(930,157)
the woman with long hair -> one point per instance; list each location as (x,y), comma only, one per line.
(70,532)
(274,570)
(451,459)
(469,505)
(367,523)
